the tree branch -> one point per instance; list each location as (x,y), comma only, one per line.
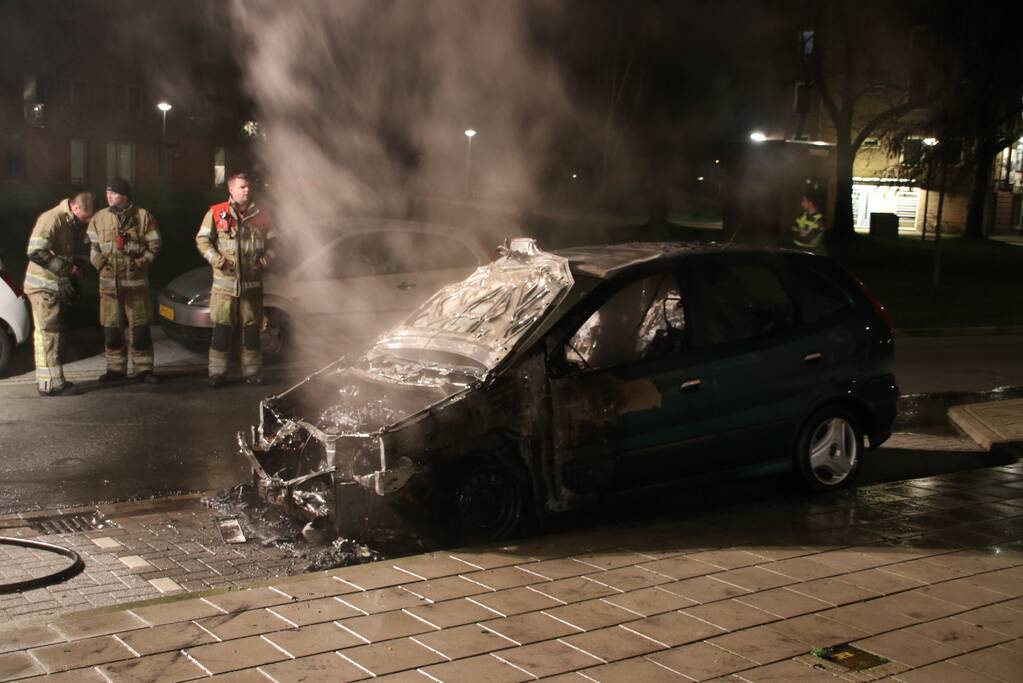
(886,115)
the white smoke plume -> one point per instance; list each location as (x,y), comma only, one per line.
(365,102)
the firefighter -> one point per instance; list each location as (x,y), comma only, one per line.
(124,242)
(58,252)
(235,237)
(809,227)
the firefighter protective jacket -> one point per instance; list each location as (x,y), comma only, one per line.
(808,229)
(124,243)
(243,239)
(57,243)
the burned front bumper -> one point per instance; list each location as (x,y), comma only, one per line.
(314,475)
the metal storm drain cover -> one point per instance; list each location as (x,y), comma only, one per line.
(70,523)
(852,658)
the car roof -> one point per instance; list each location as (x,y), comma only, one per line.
(607,260)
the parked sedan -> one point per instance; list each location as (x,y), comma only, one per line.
(15,319)
(366,276)
(547,380)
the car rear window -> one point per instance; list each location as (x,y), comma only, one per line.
(820,297)
(743,301)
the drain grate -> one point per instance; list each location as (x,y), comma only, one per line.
(70,523)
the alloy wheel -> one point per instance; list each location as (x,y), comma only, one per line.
(834,451)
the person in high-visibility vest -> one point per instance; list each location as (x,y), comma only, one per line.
(809,227)
(124,242)
(236,237)
(58,252)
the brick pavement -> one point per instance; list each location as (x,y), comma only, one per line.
(927,573)
(146,549)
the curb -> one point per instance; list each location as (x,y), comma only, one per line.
(140,506)
(983,331)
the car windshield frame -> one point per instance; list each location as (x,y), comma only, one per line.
(485,316)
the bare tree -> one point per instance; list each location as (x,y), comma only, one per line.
(861,92)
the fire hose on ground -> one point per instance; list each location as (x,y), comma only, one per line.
(68,572)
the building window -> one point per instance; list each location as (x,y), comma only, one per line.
(877,197)
(806,43)
(32,101)
(219,167)
(79,161)
(121,160)
(74,90)
(912,151)
(14,156)
(133,101)
(30,90)
(128,97)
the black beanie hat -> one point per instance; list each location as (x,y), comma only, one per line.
(120,186)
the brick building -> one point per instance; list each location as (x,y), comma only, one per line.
(79,86)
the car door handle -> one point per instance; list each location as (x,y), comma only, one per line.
(691,385)
(406,285)
(812,358)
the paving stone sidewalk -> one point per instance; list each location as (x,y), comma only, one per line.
(145,549)
(927,573)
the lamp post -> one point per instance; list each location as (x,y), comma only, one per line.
(469,135)
(164,107)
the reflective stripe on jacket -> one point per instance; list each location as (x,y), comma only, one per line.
(808,230)
(244,239)
(59,242)
(125,265)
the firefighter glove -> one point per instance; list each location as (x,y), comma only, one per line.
(228,266)
(67,290)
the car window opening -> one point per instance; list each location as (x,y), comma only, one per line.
(652,313)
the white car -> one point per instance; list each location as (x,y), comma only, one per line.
(366,276)
(15,318)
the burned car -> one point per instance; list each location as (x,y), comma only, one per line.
(546,380)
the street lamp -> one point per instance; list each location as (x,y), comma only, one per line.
(469,134)
(164,107)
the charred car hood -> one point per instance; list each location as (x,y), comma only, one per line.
(354,401)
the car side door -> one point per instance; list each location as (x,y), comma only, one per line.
(768,370)
(629,404)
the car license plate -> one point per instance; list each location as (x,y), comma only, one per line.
(166,312)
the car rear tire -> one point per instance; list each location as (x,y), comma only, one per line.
(6,348)
(829,452)
(276,339)
(489,500)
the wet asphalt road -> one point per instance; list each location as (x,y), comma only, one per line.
(123,441)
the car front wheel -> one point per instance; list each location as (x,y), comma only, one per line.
(488,501)
(829,452)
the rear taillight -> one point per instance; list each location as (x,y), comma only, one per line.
(11,283)
(877,305)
